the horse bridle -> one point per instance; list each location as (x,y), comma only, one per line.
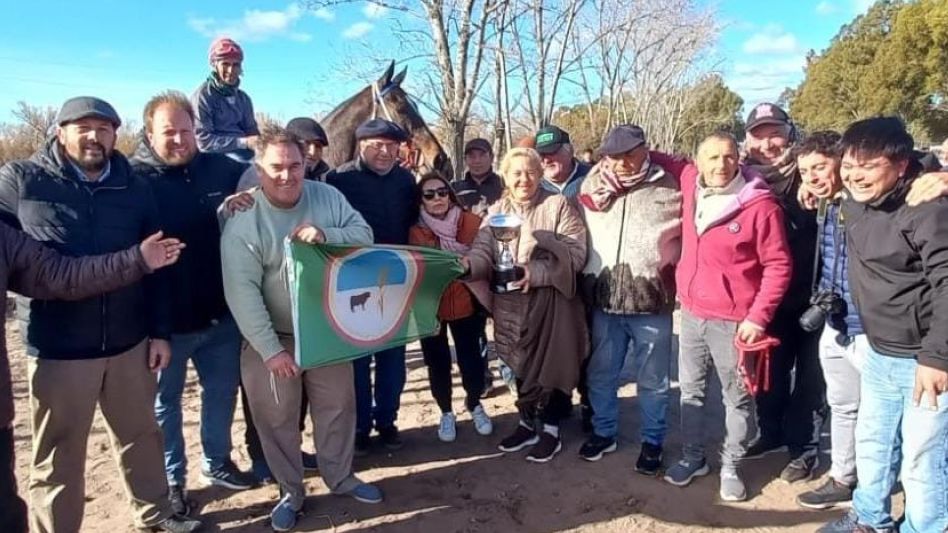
(415,161)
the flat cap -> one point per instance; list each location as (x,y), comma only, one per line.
(766,113)
(621,139)
(380,128)
(478,144)
(549,139)
(85,107)
(307,130)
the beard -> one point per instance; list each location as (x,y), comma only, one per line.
(92,162)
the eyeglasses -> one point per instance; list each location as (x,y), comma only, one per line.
(441,192)
(390,147)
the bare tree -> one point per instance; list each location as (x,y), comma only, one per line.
(453,34)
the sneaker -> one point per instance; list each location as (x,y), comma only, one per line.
(310,463)
(850,524)
(650,459)
(482,423)
(176,524)
(682,472)
(229,476)
(390,439)
(179,500)
(363,445)
(283,516)
(519,439)
(366,493)
(594,448)
(546,449)
(261,472)
(764,447)
(732,486)
(826,495)
(447,429)
(586,413)
(800,469)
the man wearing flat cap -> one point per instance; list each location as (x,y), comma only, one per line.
(480,186)
(314,139)
(80,197)
(633,211)
(384,194)
(562,172)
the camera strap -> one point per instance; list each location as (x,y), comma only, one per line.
(835,281)
(820,226)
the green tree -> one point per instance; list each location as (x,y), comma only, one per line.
(710,106)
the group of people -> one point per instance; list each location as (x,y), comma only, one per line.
(822,259)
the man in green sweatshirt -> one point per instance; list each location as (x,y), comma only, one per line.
(252,255)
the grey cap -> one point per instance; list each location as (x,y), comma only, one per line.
(622,138)
(380,128)
(85,107)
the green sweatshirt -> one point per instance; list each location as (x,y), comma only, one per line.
(252,257)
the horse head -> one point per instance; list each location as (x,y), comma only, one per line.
(386,99)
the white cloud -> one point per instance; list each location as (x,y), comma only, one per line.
(324,14)
(764,81)
(254,25)
(373,11)
(357,30)
(772,40)
(825,8)
(861,6)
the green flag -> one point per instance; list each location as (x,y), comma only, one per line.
(349,301)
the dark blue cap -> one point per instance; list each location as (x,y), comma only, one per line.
(621,139)
(380,128)
(85,107)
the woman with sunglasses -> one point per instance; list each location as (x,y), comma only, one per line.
(539,330)
(444,224)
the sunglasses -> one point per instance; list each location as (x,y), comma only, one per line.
(441,192)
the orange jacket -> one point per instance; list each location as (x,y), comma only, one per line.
(457,302)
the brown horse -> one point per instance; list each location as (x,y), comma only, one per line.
(384,99)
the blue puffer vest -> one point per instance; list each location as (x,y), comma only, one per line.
(833,239)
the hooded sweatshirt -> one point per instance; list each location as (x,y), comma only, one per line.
(739,267)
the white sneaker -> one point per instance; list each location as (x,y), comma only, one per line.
(482,422)
(447,430)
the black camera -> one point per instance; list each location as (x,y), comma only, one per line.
(822,304)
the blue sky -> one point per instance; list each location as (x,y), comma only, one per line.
(126,51)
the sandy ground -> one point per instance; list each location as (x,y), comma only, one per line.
(465,486)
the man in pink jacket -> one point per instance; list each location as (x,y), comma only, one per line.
(735,268)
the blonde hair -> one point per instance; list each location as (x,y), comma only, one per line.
(514,153)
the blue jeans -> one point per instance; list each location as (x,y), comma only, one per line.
(650,352)
(215,352)
(887,411)
(389,383)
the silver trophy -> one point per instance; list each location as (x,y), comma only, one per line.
(505,229)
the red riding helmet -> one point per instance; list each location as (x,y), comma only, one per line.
(224,48)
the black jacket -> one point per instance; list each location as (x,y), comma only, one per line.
(477,197)
(188,197)
(47,199)
(388,203)
(898,270)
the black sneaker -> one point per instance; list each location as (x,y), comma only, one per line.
(586,413)
(650,459)
(546,449)
(176,524)
(229,476)
(390,439)
(800,469)
(179,500)
(363,445)
(764,447)
(826,495)
(594,448)
(519,439)
(310,464)
(850,524)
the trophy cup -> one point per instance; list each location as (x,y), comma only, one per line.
(505,229)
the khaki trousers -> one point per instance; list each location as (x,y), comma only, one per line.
(275,406)
(63,397)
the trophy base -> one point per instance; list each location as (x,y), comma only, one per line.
(503,280)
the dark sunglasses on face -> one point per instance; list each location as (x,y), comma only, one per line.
(441,192)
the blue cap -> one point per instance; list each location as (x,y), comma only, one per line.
(621,139)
